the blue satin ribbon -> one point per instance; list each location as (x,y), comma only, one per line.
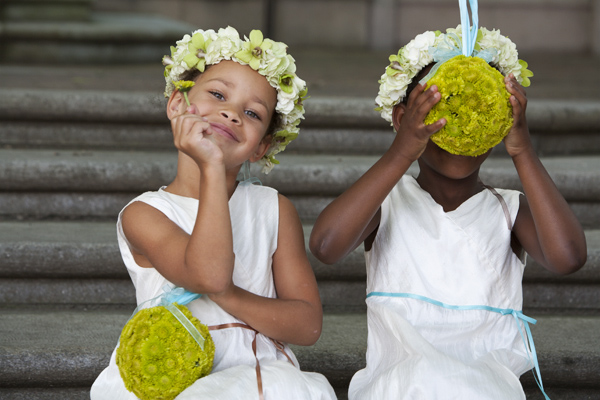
(464,46)
(469,35)
(181,296)
(518,315)
(249,180)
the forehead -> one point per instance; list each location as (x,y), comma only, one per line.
(240,77)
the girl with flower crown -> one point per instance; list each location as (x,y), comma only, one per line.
(444,252)
(239,245)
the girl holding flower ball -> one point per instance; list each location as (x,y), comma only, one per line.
(445,253)
(239,245)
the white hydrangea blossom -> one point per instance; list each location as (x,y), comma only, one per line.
(274,64)
(416,55)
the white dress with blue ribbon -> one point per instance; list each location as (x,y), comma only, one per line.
(254,217)
(444,300)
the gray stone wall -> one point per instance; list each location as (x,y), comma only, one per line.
(535,25)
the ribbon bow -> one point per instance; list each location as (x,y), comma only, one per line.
(464,46)
(174,294)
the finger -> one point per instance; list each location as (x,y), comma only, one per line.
(517,106)
(418,90)
(426,102)
(436,126)
(513,86)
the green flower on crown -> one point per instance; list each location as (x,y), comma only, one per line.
(254,49)
(197,52)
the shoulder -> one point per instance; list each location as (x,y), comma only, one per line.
(146,218)
(286,207)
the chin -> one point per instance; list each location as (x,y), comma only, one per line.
(451,166)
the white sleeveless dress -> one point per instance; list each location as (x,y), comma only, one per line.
(254,217)
(425,269)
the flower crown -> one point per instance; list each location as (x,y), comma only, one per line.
(267,57)
(500,51)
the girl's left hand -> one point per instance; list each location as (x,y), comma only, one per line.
(518,138)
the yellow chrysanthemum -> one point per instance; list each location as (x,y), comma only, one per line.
(475,104)
(158,358)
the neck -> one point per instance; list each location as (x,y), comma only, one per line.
(188,180)
(450,193)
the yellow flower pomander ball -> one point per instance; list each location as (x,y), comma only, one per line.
(475,104)
(158,358)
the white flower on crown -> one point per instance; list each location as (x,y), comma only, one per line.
(271,61)
(416,55)
(285,101)
(224,45)
(416,52)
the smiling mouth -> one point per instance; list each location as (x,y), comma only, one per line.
(223,130)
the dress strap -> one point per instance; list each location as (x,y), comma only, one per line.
(518,315)
(278,345)
(502,203)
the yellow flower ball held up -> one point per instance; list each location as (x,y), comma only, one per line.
(158,358)
(475,104)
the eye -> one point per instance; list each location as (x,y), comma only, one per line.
(252,114)
(217,95)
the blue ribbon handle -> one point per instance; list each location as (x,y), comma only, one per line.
(179,295)
(464,46)
(469,33)
(174,294)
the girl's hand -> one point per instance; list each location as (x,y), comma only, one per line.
(518,138)
(193,135)
(412,133)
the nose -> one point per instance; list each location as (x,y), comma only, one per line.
(230,115)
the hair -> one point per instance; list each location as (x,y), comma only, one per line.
(194,74)
(422,73)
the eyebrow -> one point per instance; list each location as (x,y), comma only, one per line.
(230,85)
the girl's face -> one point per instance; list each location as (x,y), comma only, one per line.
(449,165)
(239,104)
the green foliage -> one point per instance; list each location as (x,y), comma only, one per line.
(475,104)
(158,358)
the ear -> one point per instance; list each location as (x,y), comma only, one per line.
(397,114)
(261,149)
(176,105)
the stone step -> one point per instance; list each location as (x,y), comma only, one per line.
(97,184)
(36,10)
(36,118)
(72,263)
(103,38)
(33,170)
(76,346)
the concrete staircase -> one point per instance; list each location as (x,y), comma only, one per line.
(71,160)
(77,143)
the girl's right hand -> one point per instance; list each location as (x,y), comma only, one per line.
(193,135)
(412,135)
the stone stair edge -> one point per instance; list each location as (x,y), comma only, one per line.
(77,346)
(101,26)
(88,250)
(578,177)
(146,107)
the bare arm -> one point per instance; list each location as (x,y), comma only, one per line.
(545,226)
(296,315)
(203,261)
(354,215)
